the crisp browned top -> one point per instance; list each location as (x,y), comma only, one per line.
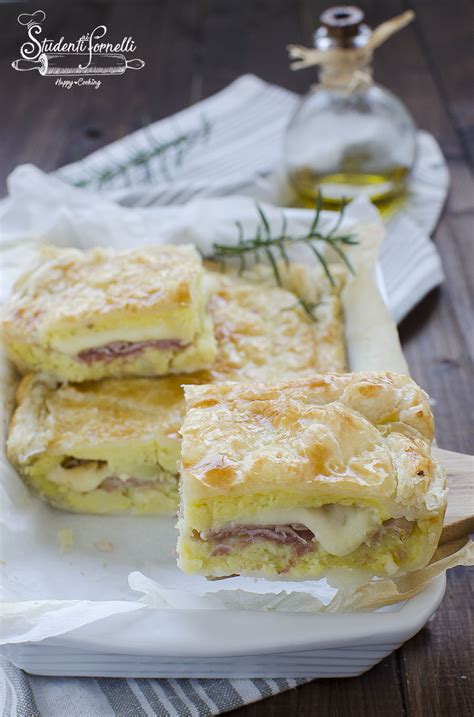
(70,286)
(361,436)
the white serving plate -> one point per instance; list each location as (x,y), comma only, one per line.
(152,642)
(228,643)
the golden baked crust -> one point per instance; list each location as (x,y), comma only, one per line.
(343,458)
(75,302)
(362,436)
(69,286)
(131,425)
(113,410)
(264,335)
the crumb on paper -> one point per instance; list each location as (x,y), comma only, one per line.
(104,545)
(66,540)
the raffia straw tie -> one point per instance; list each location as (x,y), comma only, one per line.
(347,67)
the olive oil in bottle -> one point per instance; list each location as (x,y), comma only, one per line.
(349,136)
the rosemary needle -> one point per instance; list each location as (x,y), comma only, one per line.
(275,247)
(142,158)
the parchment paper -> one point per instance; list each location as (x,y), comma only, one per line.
(60,571)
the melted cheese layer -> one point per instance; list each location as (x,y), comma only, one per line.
(81,478)
(339,529)
(86,478)
(72,345)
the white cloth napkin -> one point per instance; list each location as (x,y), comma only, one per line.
(231,143)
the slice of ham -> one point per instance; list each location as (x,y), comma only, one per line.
(112,482)
(118,349)
(298,536)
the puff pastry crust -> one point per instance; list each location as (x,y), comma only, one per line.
(133,421)
(87,315)
(100,447)
(328,450)
(264,335)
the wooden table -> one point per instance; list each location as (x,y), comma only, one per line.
(194,48)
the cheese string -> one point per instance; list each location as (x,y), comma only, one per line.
(347,67)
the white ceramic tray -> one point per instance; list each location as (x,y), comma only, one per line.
(227,643)
(151,642)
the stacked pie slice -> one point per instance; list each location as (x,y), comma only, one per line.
(113,445)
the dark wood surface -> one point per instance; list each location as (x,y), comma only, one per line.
(194,48)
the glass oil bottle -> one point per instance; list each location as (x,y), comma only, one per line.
(349,136)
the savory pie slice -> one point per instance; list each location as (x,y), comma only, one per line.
(304,477)
(113,445)
(100,447)
(87,315)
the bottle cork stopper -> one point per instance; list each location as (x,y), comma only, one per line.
(342,21)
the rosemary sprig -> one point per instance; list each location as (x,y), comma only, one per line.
(275,247)
(175,149)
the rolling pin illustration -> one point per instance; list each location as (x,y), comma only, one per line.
(70,63)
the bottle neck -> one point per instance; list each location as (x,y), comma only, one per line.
(346,71)
(345,63)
